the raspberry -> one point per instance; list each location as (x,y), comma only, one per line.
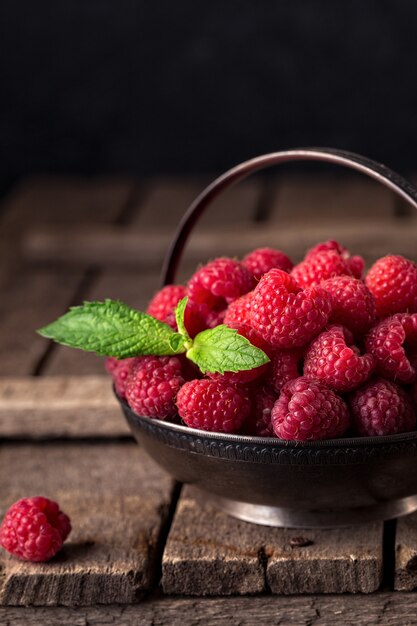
(152,386)
(34,529)
(318,267)
(119,371)
(218,283)
(392,281)
(285,315)
(285,365)
(353,305)
(213,405)
(381,408)
(335,363)
(258,423)
(261,260)
(356,264)
(308,410)
(239,311)
(393,343)
(163,305)
(165,300)
(215,318)
(246,376)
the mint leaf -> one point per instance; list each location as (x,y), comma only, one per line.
(179,317)
(221,349)
(111,328)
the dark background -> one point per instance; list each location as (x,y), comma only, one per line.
(122,86)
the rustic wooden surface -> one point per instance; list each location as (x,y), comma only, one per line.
(385,609)
(112,552)
(64,240)
(202,556)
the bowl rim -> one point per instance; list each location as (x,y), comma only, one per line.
(273,442)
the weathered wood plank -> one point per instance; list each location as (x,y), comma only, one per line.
(120,246)
(210,553)
(51,407)
(331,198)
(387,609)
(30,301)
(118,501)
(64,200)
(406,553)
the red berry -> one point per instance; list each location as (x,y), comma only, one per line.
(258,423)
(165,300)
(308,410)
(285,366)
(335,362)
(119,371)
(355,264)
(392,281)
(393,343)
(239,311)
(285,315)
(218,283)
(34,529)
(261,260)
(213,405)
(153,384)
(353,305)
(381,407)
(319,267)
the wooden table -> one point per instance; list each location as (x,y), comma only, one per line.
(145,550)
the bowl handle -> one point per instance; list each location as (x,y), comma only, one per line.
(370,168)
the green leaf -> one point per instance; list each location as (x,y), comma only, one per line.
(179,317)
(111,328)
(221,349)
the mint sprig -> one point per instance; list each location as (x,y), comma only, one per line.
(111,328)
(222,349)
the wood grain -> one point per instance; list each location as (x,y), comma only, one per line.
(210,553)
(121,246)
(406,553)
(31,300)
(118,501)
(53,407)
(386,609)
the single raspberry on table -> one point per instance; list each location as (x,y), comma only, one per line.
(392,281)
(213,405)
(393,343)
(319,267)
(337,363)
(285,315)
(285,366)
(261,260)
(353,305)
(119,371)
(258,423)
(308,410)
(381,407)
(218,283)
(34,529)
(153,384)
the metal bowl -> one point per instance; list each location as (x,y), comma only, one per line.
(285,483)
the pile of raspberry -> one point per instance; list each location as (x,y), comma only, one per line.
(342,346)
